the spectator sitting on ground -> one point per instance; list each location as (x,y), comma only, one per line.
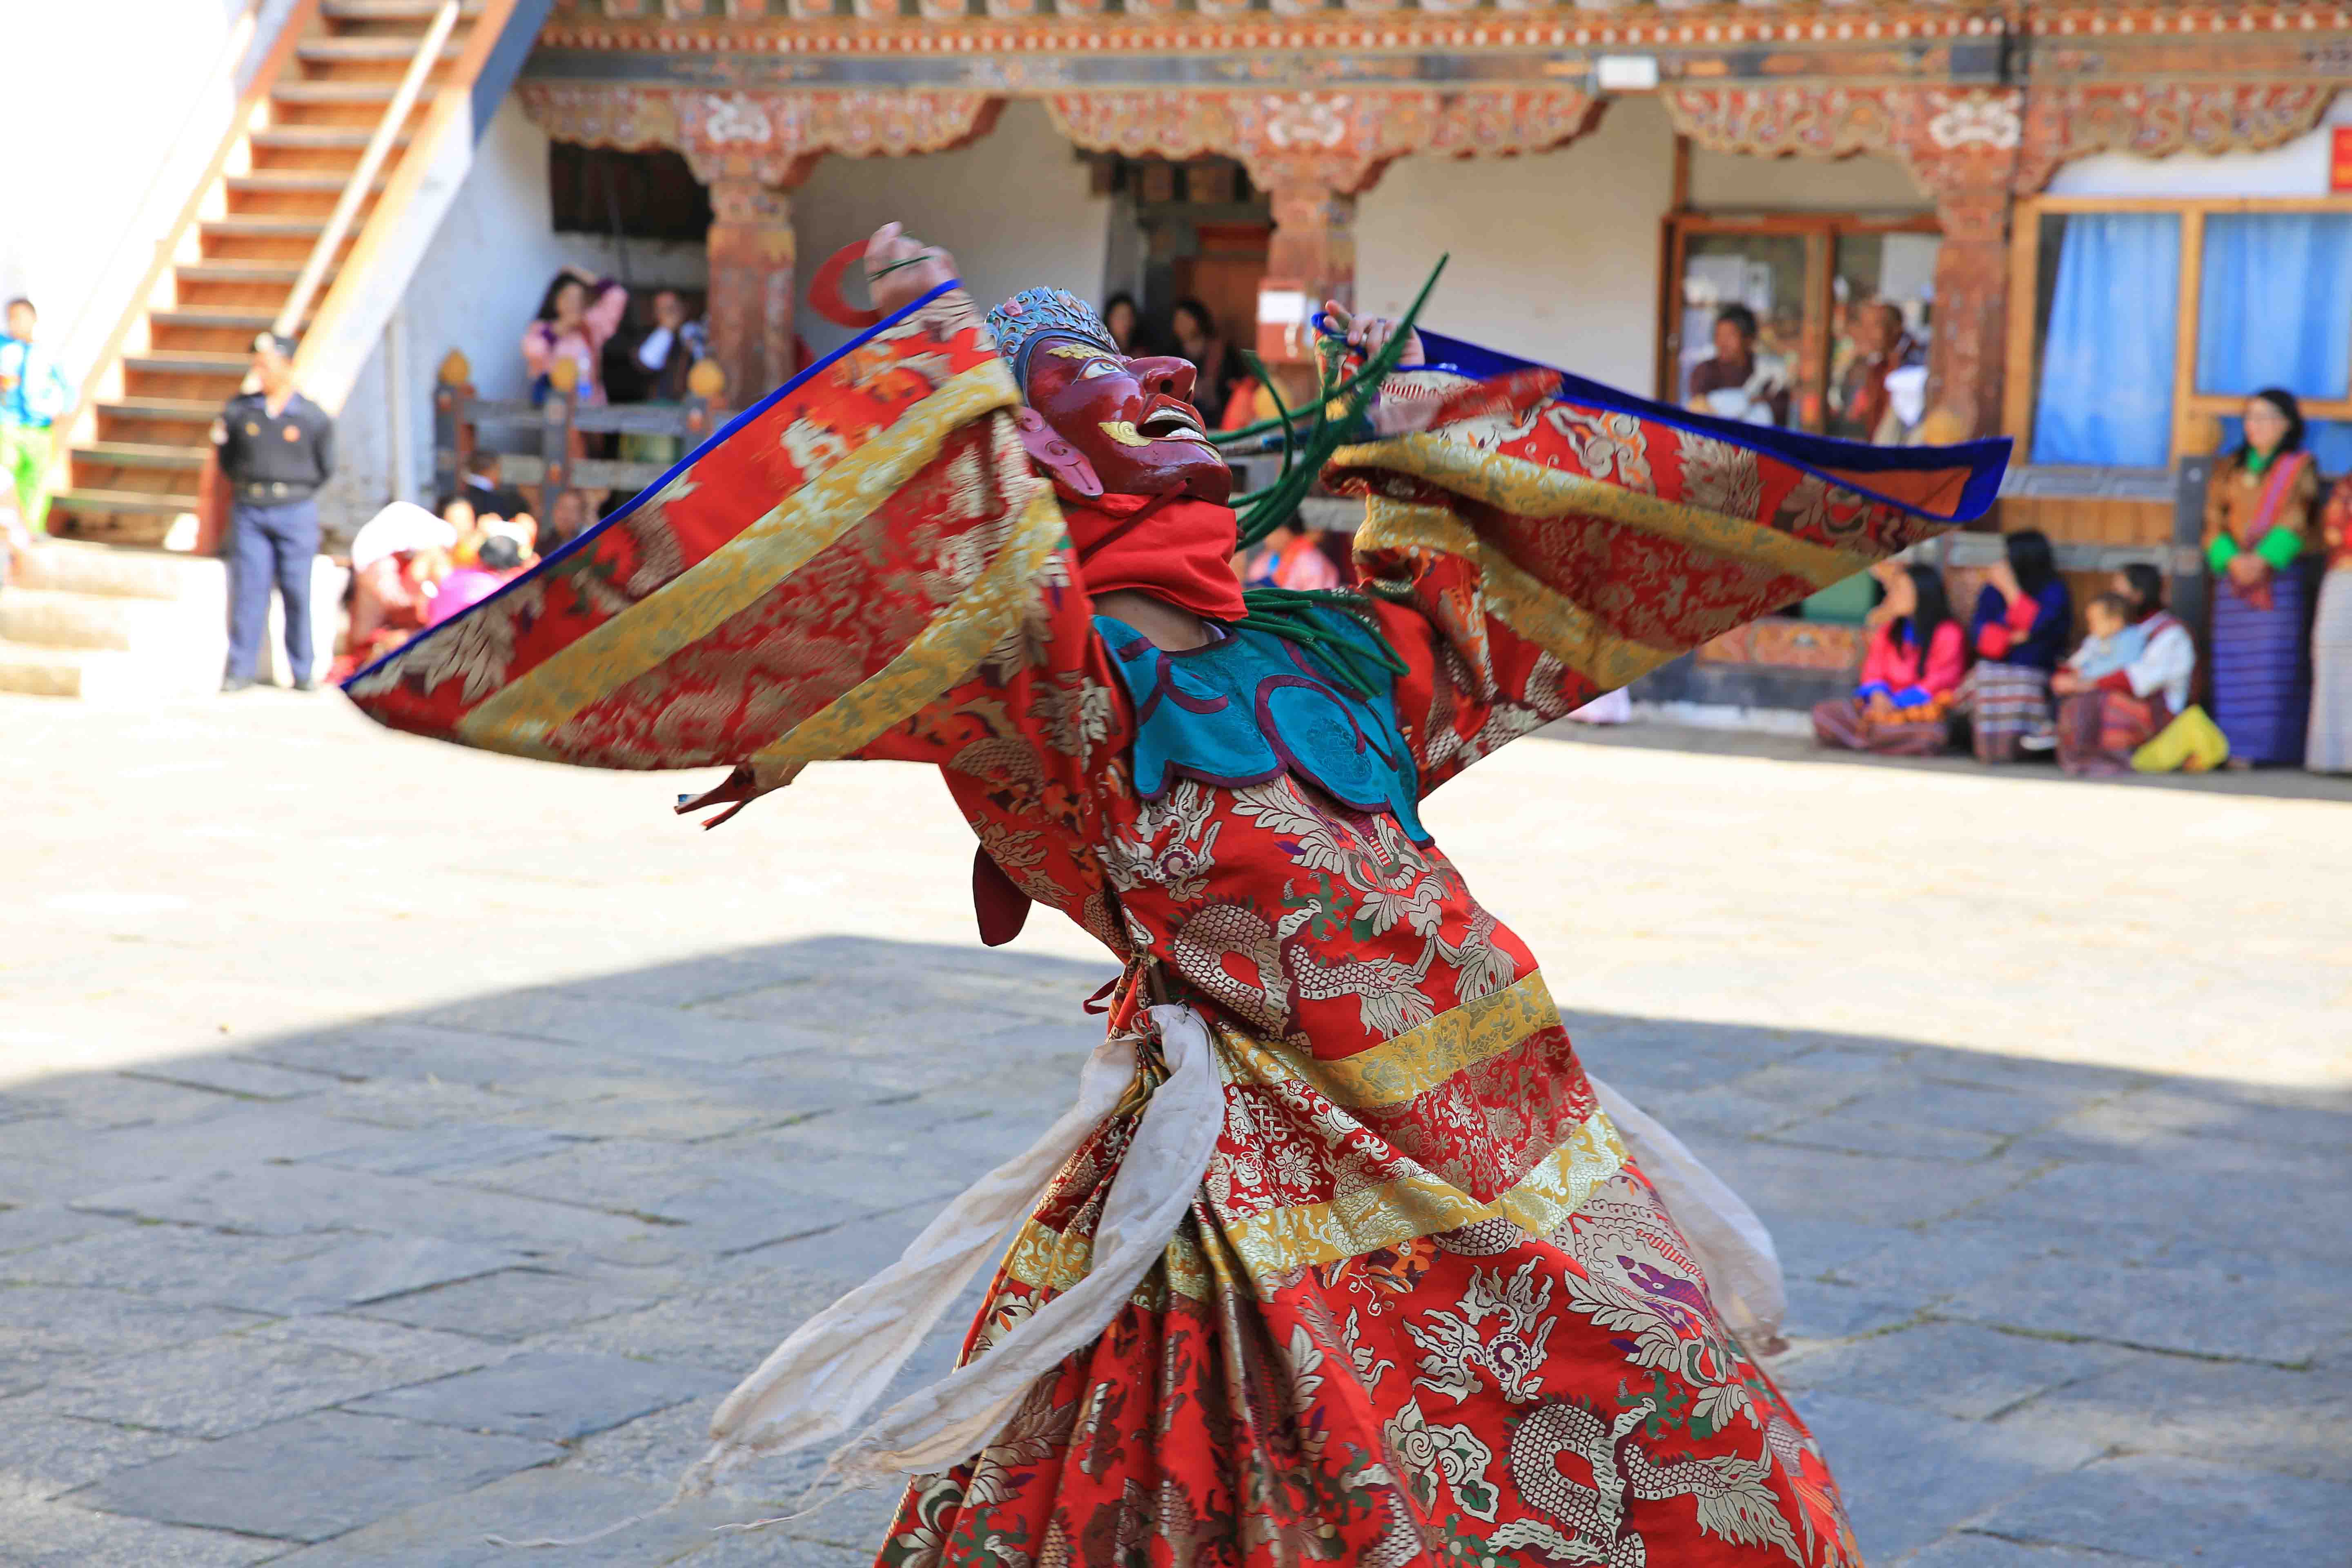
(563,522)
(482,485)
(2023,616)
(465,526)
(2113,643)
(522,532)
(398,558)
(498,563)
(1909,675)
(2115,720)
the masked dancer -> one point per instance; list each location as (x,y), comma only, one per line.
(1339,1258)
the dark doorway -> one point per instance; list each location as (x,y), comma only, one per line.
(645,195)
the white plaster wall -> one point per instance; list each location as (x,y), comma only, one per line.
(2299,168)
(100,94)
(475,290)
(1864,183)
(1012,206)
(1555,253)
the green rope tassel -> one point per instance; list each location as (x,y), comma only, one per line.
(1264,511)
(1287,613)
(1282,613)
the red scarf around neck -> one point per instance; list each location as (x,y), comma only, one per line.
(1172,547)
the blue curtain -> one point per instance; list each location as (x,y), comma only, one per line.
(2276,304)
(2106,395)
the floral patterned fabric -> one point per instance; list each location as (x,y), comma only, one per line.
(1425,1309)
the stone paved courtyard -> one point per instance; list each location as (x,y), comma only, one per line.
(399,1145)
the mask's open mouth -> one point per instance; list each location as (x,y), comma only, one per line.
(1173,422)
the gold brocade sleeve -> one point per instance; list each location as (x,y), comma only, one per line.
(1554,552)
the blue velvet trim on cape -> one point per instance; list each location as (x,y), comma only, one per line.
(1846,463)
(1242,711)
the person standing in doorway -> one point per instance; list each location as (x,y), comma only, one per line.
(33,397)
(278,449)
(668,354)
(1738,383)
(1218,362)
(1881,345)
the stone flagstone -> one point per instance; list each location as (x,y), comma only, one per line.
(544,1394)
(325,1474)
(670,1105)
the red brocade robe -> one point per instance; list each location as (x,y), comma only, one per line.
(1424,1310)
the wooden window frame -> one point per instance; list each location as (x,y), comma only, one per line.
(1820,231)
(2188,405)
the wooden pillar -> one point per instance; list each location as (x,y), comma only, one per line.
(1310,258)
(750,308)
(1967,357)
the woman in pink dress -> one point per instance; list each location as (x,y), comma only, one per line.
(1909,675)
(578,314)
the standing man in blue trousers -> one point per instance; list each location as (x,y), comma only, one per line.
(278,449)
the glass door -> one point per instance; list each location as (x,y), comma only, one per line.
(1736,342)
(1842,306)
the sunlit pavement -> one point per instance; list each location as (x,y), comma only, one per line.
(402,1145)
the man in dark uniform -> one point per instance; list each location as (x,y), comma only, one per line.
(277,447)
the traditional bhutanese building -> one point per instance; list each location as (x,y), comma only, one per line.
(2102,224)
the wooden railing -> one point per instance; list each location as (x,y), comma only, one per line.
(249,103)
(553,462)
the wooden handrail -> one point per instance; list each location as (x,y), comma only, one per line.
(347,206)
(167,249)
(451,100)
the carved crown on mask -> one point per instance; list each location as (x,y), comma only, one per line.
(1033,315)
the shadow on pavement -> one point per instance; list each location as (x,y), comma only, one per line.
(361,1295)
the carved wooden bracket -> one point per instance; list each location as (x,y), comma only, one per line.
(770,137)
(2159,120)
(1334,142)
(1954,138)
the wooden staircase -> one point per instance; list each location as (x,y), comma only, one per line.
(328,83)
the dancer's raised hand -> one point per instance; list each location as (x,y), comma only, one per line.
(1370,334)
(901,269)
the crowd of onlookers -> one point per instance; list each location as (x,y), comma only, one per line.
(586,319)
(411,568)
(2276,687)
(2003,682)
(1877,374)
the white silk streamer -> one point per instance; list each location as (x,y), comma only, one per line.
(822,1381)
(819,1383)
